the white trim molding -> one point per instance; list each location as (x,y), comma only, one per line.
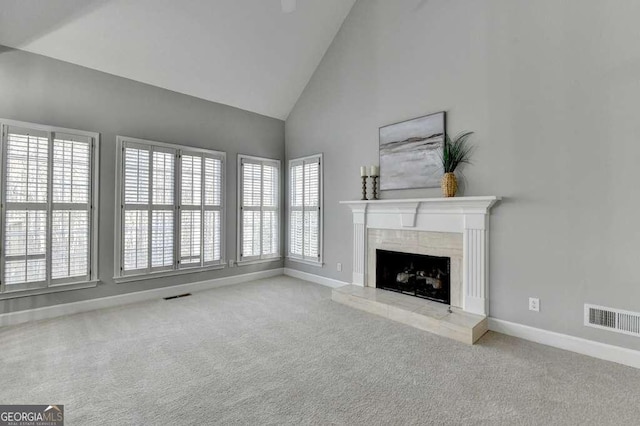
(466,215)
(317,279)
(48,290)
(305,262)
(48,312)
(579,345)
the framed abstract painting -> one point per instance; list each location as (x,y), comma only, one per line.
(410,153)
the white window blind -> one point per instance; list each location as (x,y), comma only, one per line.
(172,206)
(47,226)
(212,227)
(305,208)
(259,212)
(191,210)
(162,208)
(136,207)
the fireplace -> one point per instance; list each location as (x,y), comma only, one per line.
(456,227)
(428,277)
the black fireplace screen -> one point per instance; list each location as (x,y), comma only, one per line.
(414,274)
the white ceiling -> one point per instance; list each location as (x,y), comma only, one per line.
(244,53)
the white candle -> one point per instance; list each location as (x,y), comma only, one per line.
(363,171)
(373,171)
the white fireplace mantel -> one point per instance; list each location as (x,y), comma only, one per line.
(466,215)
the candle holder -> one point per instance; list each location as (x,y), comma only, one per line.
(375,187)
(364,188)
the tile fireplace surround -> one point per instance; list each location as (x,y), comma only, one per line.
(451,227)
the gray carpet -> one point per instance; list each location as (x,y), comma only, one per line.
(279,351)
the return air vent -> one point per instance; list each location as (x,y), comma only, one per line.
(612,319)
(177,297)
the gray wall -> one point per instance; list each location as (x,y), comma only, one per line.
(42,90)
(551,89)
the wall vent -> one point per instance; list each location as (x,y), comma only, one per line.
(177,297)
(617,320)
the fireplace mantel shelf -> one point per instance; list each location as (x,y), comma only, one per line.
(459,204)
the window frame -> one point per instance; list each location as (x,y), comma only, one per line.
(50,284)
(121,276)
(301,258)
(248,260)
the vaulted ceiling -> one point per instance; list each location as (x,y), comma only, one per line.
(244,53)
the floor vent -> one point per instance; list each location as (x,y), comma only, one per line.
(612,319)
(178,296)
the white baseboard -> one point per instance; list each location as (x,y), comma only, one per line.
(599,350)
(47,312)
(329,282)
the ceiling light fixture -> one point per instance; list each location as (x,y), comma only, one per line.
(288,6)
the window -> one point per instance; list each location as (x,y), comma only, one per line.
(259,208)
(171,208)
(48,221)
(305,209)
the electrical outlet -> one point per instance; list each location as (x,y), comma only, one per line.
(232,263)
(339,267)
(534,304)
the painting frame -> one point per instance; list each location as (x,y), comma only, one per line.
(413,174)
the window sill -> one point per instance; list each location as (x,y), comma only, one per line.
(306,262)
(47,290)
(258,261)
(152,275)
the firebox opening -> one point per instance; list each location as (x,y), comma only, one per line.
(417,275)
